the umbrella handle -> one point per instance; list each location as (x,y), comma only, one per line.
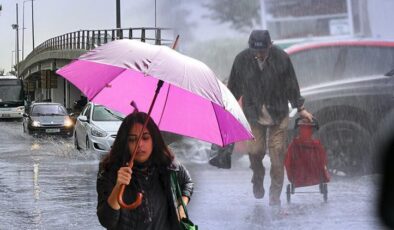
(139,197)
(133,205)
(138,200)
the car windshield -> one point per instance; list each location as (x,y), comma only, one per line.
(328,64)
(48,110)
(101,113)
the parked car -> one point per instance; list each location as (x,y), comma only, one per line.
(96,128)
(49,119)
(349,88)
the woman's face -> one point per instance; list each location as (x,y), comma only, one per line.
(145,147)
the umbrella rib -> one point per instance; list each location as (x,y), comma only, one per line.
(220,129)
(99,91)
(165,105)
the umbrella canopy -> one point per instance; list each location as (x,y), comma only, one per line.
(192,101)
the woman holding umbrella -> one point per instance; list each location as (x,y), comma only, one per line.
(150,175)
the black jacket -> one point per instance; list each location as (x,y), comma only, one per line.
(273,86)
(126,219)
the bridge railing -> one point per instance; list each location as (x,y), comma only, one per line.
(89,39)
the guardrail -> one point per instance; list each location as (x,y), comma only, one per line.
(89,39)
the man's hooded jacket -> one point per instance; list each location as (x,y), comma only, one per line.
(273,86)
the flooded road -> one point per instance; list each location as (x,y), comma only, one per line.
(46,184)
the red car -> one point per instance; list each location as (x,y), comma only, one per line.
(349,87)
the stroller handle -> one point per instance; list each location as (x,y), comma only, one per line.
(314,123)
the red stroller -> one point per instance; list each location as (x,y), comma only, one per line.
(306,160)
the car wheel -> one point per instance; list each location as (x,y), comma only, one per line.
(325,192)
(76,145)
(383,135)
(348,146)
(288,193)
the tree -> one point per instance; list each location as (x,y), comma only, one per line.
(177,14)
(242,15)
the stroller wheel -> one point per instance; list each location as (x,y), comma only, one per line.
(288,193)
(325,192)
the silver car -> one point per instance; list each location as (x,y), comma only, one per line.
(96,128)
(47,119)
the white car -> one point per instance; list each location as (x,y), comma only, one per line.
(96,128)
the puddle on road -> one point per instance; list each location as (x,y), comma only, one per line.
(36,187)
(60,147)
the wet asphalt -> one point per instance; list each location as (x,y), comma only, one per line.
(46,184)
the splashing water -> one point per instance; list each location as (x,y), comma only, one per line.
(193,150)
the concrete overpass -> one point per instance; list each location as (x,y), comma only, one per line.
(38,69)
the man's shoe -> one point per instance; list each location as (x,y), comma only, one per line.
(258,184)
(221,156)
(222,160)
(258,189)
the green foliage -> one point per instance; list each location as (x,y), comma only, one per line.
(243,15)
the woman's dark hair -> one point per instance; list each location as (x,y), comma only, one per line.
(120,153)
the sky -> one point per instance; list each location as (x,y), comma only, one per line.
(56,17)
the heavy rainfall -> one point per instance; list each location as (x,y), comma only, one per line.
(343,57)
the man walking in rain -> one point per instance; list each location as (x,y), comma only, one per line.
(263,80)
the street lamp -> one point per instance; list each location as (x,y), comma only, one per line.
(118,20)
(16,28)
(32,21)
(23,29)
(23,26)
(12,59)
(118,23)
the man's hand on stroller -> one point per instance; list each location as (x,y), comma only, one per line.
(305,114)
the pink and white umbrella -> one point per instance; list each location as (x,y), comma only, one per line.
(192,101)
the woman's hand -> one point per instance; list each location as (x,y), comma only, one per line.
(182,213)
(124,176)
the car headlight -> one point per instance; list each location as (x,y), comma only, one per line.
(20,109)
(98,132)
(68,122)
(35,124)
